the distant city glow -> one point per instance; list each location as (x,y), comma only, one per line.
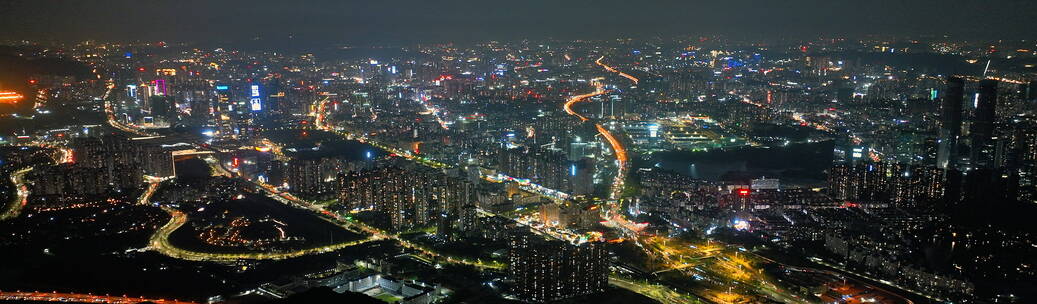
(10,97)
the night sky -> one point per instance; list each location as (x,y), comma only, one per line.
(389,21)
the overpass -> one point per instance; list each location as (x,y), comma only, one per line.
(188,152)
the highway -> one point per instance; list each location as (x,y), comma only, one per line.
(656,292)
(621,158)
(621,153)
(37,296)
(613,214)
(721,263)
(568,106)
(614,70)
(159,241)
(21,197)
(864,276)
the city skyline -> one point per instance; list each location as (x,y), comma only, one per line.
(406,152)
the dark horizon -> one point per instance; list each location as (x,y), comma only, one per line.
(407,21)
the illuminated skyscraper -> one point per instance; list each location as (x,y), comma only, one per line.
(982,129)
(950,123)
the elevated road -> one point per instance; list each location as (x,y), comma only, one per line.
(614,70)
(36,296)
(159,242)
(657,292)
(568,106)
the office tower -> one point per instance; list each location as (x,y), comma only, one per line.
(199,101)
(275,96)
(1023,158)
(222,110)
(163,107)
(581,176)
(549,270)
(843,91)
(950,123)
(275,172)
(982,136)
(1010,177)
(1031,92)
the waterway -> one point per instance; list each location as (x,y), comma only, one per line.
(803,164)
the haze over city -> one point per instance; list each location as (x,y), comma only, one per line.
(412,21)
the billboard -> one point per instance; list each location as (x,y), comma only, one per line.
(255,103)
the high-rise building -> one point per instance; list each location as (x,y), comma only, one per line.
(765,183)
(900,184)
(1031,92)
(578,150)
(311,177)
(982,146)
(546,168)
(156,161)
(983,186)
(114,151)
(581,176)
(1022,158)
(550,270)
(411,198)
(950,123)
